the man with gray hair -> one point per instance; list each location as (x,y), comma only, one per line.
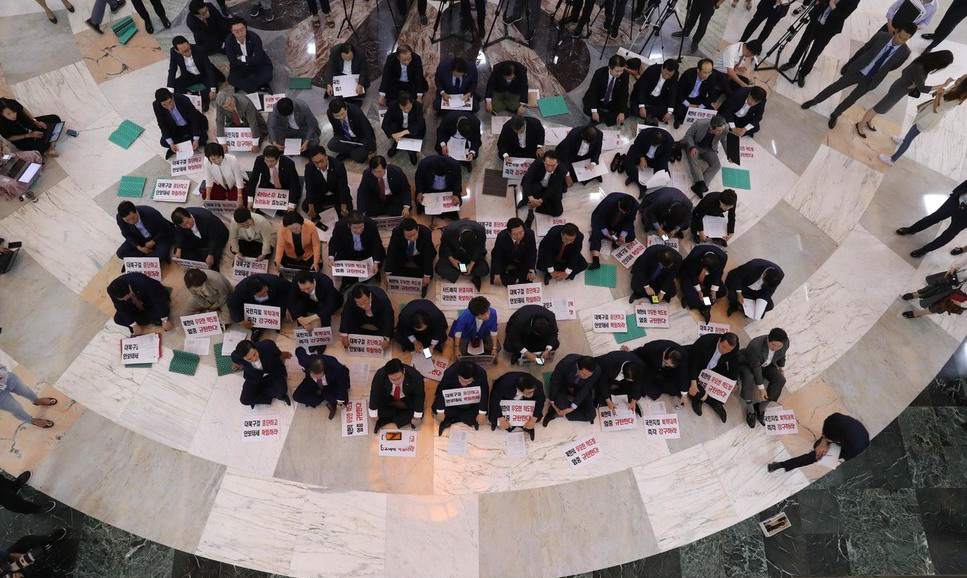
(701,143)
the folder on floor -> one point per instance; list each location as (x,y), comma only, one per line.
(300,83)
(552,105)
(131,186)
(736,178)
(184,363)
(125,134)
(124,29)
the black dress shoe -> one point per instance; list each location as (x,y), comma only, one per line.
(547,278)
(476,282)
(148,27)
(529,220)
(679,34)
(832,122)
(530,432)
(807,104)
(801,81)
(615,162)
(773,466)
(697,406)
(719,409)
(730,311)
(547,418)
(165,22)
(332,410)
(700,188)
(442,428)
(760,413)
(22,480)
(750,418)
(392,151)
(907,296)
(114,9)
(917,253)
(706,314)
(904,231)
(595,263)
(286,400)
(423,291)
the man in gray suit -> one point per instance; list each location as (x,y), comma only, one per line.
(866,69)
(701,143)
(762,361)
(293,119)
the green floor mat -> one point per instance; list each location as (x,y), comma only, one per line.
(606,276)
(184,363)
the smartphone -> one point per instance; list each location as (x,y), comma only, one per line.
(664,238)
(426,353)
(463,268)
(539,361)
(14,245)
(706,301)
(655,299)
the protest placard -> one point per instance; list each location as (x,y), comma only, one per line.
(150,266)
(141,349)
(628,253)
(357,269)
(697,113)
(271,99)
(368,345)
(493,227)
(221,206)
(188,263)
(621,418)
(780,421)
(245,266)
(457,102)
(439,203)
(315,338)
(344,85)
(662,426)
(271,199)
(239,139)
(584,172)
(720,328)
(404,285)
(263,316)
(354,418)
(525,294)
(652,315)
(201,325)
(171,190)
(609,322)
(717,386)
(461,396)
(543,223)
(260,428)
(582,451)
(517,411)
(562,308)
(185,167)
(515,167)
(431,368)
(397,443)
(455,296)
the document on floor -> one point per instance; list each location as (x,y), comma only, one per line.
(457,102)
(831,459)
(514,446)
(754,309)
(184,151)
(197,345)
(457,444)
(397,443)
(293,146)
(457,148)
(230,340)
(585,172)
(715,227)
(410,144)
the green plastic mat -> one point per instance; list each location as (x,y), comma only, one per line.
(223,363)
(634,332)
(131,186)
(552,105)
(183,362)
(736,178)
(300,83)
(125,134)
(606,276)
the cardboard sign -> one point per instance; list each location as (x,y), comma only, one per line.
(404,285)
(345,85)
(316,337)
(260,427)
(652,315)
(563,309)
(201,325)
(225,206)
(697,113)
(461,396)
(493,227)
(357,269)
(271,199)
(525,294)
(582,451)
(617,420)
(397,443)
(239,139)
(432,368)
(517,411)
(354,422)
(780,421)
(171,190)
(368,345)
(387,224)
(662,426)
(455,296)
(271,99)
(190,166)
(245,266)
(439,203)
(719,328)
(263,316)
(609,322)
(141,349)
(150,266)
(515,167)
(628,253)
(717,386)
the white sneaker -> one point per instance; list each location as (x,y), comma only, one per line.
(896,139)
(887,160)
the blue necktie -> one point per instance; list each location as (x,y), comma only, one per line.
(882,59)
(345,128)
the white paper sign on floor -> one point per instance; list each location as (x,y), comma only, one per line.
(517,411)
(368,345)
(271,99)
(263,316)
(432,368)
(239,139)
(189,264)
(582,451)
(525,294)
(201,325)
(271,199)
(245,266)
(456,296)
(404,285)
(457,442)
(514,445)
(543,223)
(357,269)
(150,266)
(141,349)
(397,443)
(662,426)
(621,418)
(780,421)
(609,322)
(185,167)
(563,308)
(316,337)
(719,328)
(461,396)
(696,113)
(628,253)
(226,206)
(354,418)
(260,428)
(652,315)
(717,386)
(585,172)
(171,190)
(439,203)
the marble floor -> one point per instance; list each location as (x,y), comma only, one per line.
(155,477)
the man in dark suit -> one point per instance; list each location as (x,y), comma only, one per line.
(421,325)
(263,367)
(292,118)
(665,368)
(403,71)
(460,129)
(700,277)
(573,385)
(613,219)
(701,144)
(701,14)
(258,289)
(179,121)
(404,119)
(543,186)
(250,69)
(140,302)
(368,311)
(463,251)
(356,238)
(754,279)
(559,254)
(411,252)
(438,174)
(326,381)
(189,65)
(313,294)
(666,211)
(531,333)
(384,190)
(622,373)
(516,386)
(273,170)
(352,134)
(718,353)
(208,25)
(327,185)
(396,396)
(762,361)
(653,274)
(581,143)
(696,87)
(954,208)
(653,98)
(345,59)
(826,19)
(146,233)
(460,375)
(522,137)
(845,431)
(199,235)
(506,88)
(606,99)
(514,256)
(867,68)
(455,76)
(743,110)
(715,204)
(768,11)
(652,149)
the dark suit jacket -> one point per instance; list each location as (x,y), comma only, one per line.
(288,178)
(848,432)
(270,358)
(256,55)
(176,66)
(508,143)
(686,82)
(341,244)
(656,207)
(562,380)
(381,392)
(424,174)
(646,266)
(503,253)
(756,352)
(448,127)
(652,355)
(358,123)
(358,65)
(496,82)
(518,334)
(396,251)
(214,233)
(337,374)
(450,242)
(568,148)
(700,353)
(161,229)
(153,295)
(603,216)
(710,206)
(329,190)
(613,363)
(353,317)
(692,266)
(390,81)
(663,153)
(642,92)
(867,54)
(436,327)
(444,78)
(734,102)
(530,183)
(550,247)
(416,124)
(245,290)
(328,299)
(594,96)
(195,119)
(505,388)
(450,380)
(397,196)
(836,18)
(211,33)
(748,273)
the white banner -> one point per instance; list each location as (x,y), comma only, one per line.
(184,167)
(245,266)
(620,419)
(515,167)
(404,285)
(609,322)
(201,325)
(455,296)
(780,421)
(652,315)
(260,427)
(717,386)
(525,294)
(397,443)
(263,316)
(239,139)
(368,345)
(316,337)
(271,199)
(662,426)
(141,349)
(461,396)
(357,269)
(150,266)
(439,203)
(171,190)
(354,418)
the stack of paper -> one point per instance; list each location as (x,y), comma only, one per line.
(131,186)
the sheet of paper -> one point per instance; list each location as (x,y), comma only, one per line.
(197,345)
(831,459)
(256,99)
(410,144)
(345,85)
(457,102)
(457,444)
(230,340)
(292,146)
(457,148)
(514,446)
(555,134)
(715,227)
(184,150)
(584,172)
(754,309)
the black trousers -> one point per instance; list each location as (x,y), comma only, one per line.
(806,459)
(764,12)
(954,15)
(250,249)
(401,416)
(466,19)
(460,414)
(182,83)
(10,498)
(315,5)
(159,9)
(512,274)
(814,40)
(950,209)
(701,13)
(263,390)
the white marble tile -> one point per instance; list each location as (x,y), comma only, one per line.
(824,72)
(684,497)
(218,436)
(254,522)
(683,326)
(341,534)
(69,236)
(432,532)
(943,149)
(769,179)
(834,192)
(18,7)
(7,361)
(69,92)
(131,95)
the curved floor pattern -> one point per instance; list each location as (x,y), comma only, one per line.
(159,454)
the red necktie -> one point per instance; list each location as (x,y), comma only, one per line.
(397,392)
(382,189)
(236,120)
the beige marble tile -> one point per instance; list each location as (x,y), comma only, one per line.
(107,58)
(432,532)
(70,92)
(812,404)
(824,72)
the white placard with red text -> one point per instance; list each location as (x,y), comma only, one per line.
(245,266)
(188,263)
(357,269)
(609,322)
(432,368)
(663,426)
(649,315)
(171,190)
(582,451)
(719,328)
(461,396)
(697,113)
(621,418)
(263,316)
(656,240)
(201,325)
(404,285)
(517,411)
(628,253)
(515,167)
(368,345)
(455,296)
(354,418)
(271,199)
(439,203)
(315,338)
(397,443)
(717,386)
(239,139)
(141,349)
(185,167)
(525,294)
(260,427)
(493,227)
(780,421)
(543,223)
(150,266)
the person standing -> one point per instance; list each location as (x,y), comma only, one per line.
(826,19)
(955,209)
(10,385)
(956,12)
(928,117)
(701,14)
